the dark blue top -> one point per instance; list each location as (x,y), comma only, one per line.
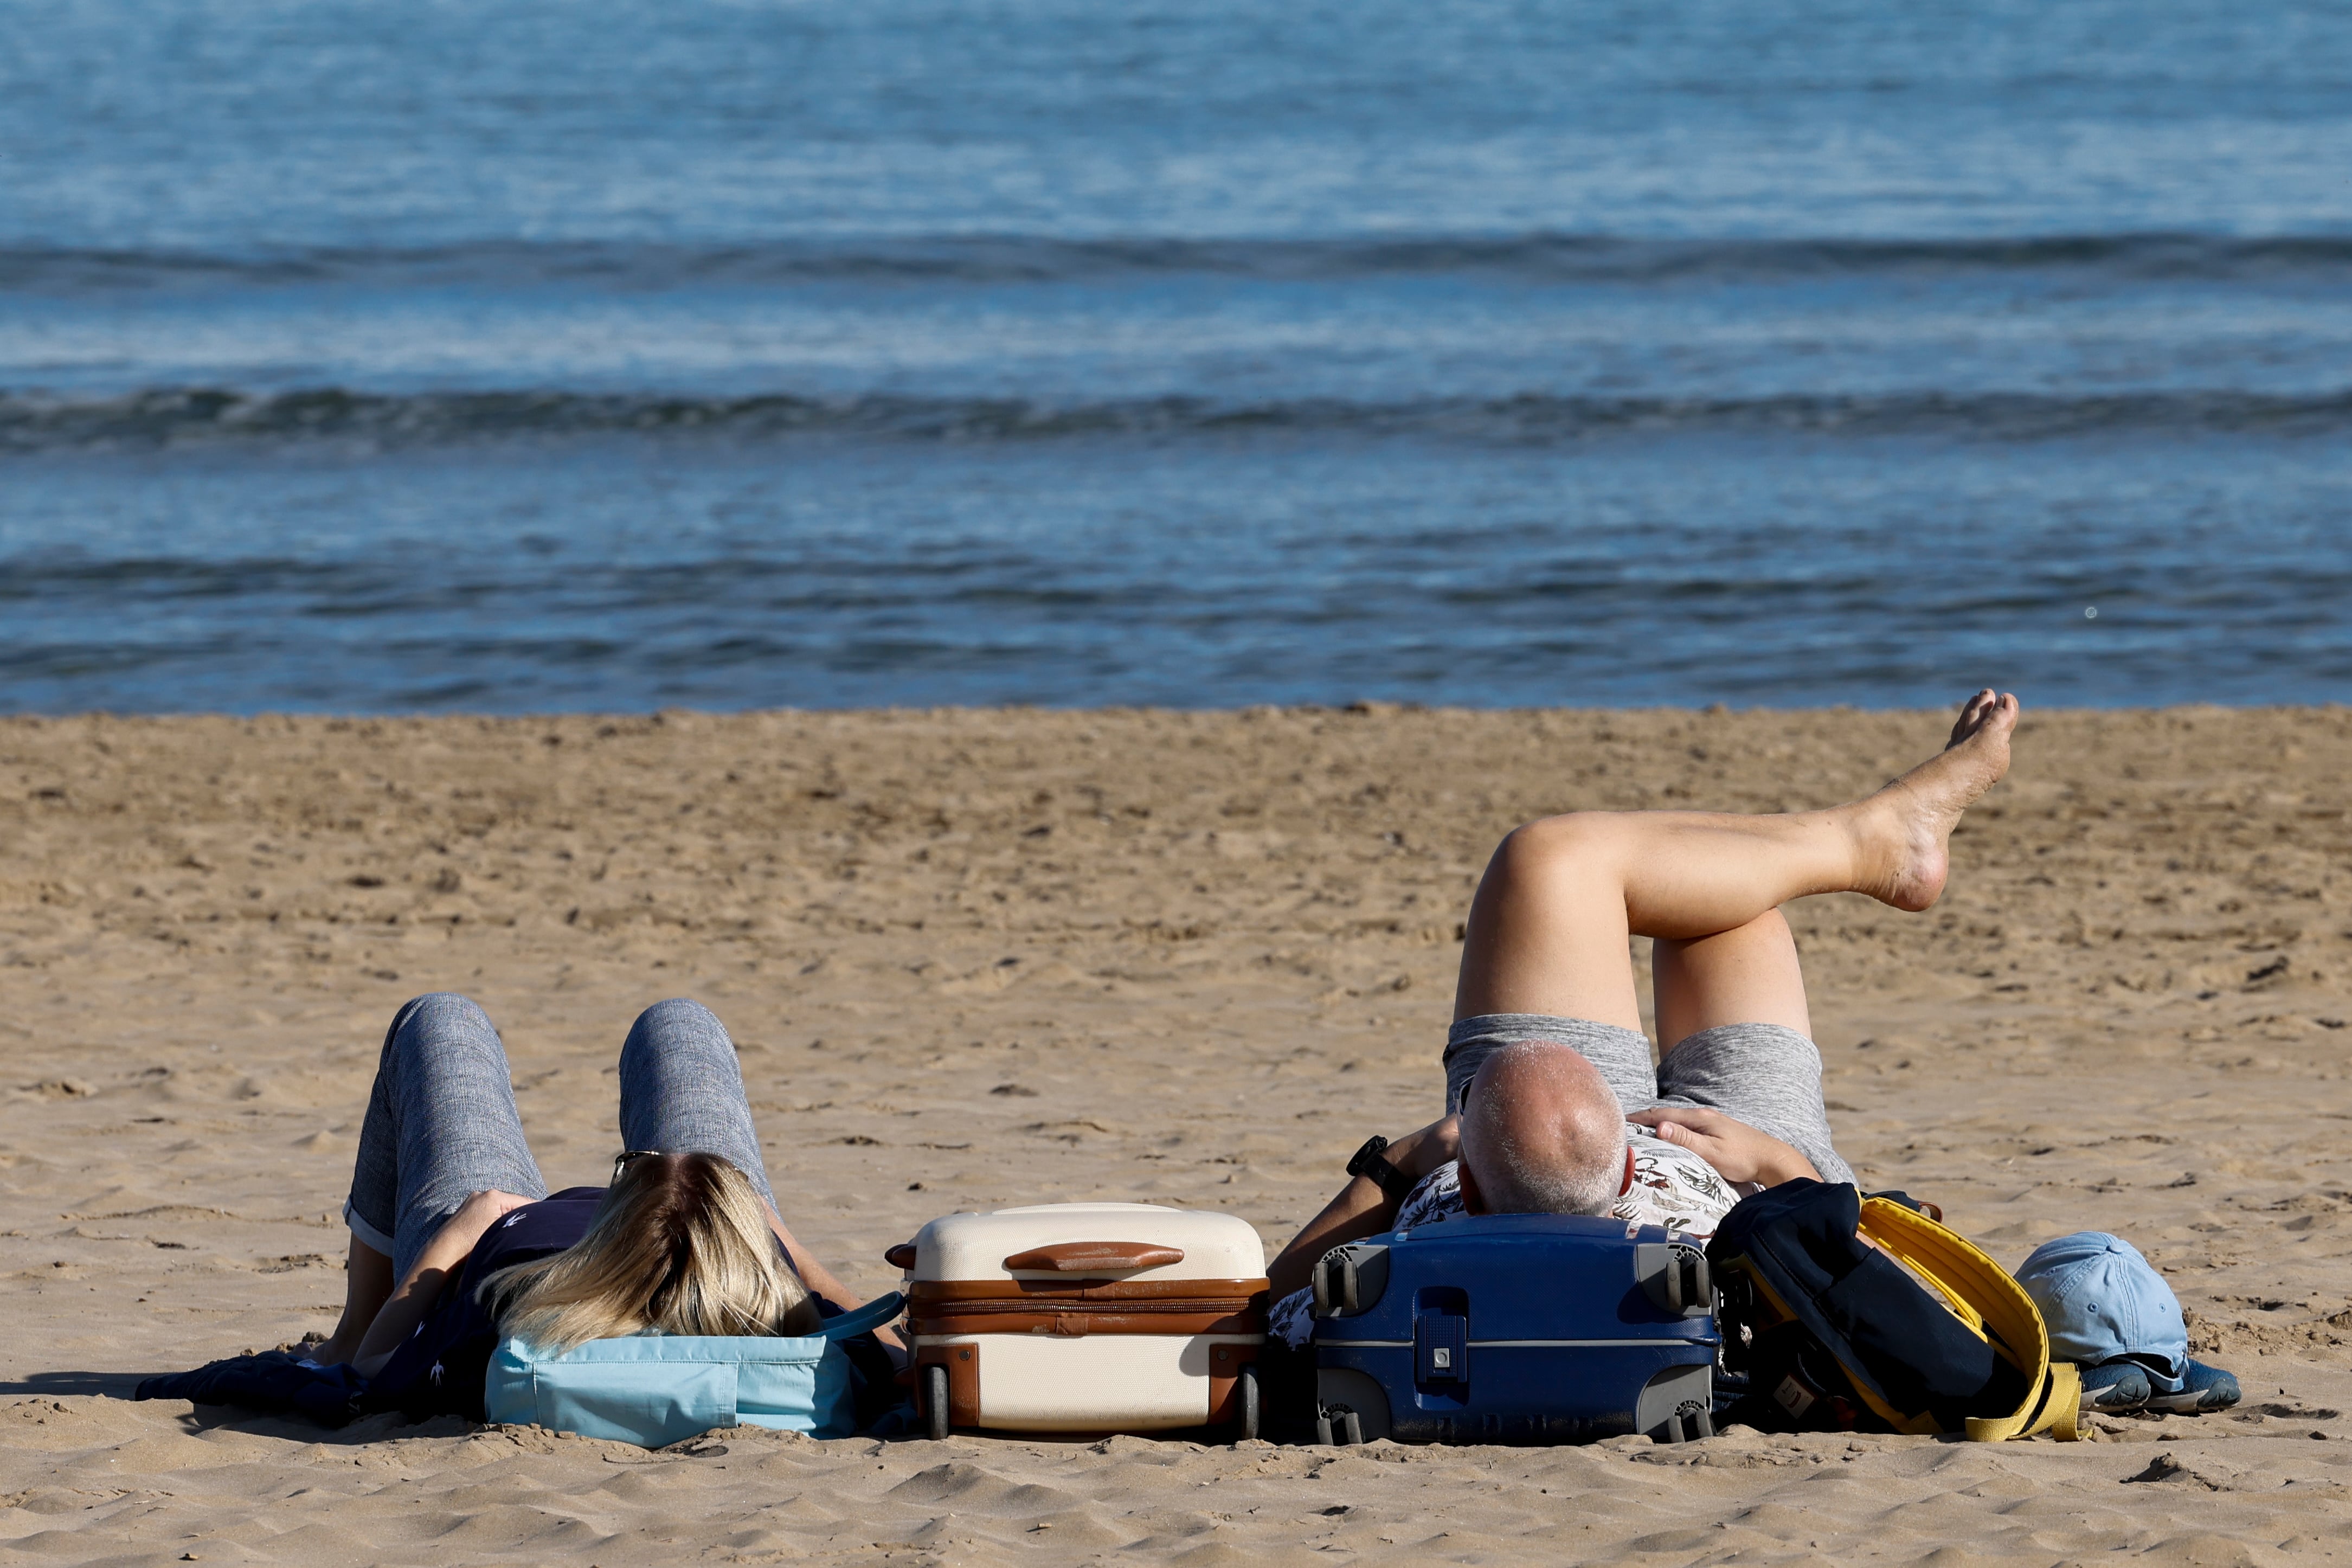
(439,1369)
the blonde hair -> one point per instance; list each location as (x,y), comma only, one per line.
(680,1246)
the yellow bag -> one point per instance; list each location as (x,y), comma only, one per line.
(1982,1294)
(1849,1313)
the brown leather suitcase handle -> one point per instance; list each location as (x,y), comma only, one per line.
(1094,1257)
(901,1255)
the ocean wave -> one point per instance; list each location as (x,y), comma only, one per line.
(1015,258)
(32,422)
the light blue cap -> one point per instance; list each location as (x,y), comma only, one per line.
(2102,1302)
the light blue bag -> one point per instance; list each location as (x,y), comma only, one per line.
(654,1390)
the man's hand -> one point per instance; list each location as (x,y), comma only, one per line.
(1738,1152)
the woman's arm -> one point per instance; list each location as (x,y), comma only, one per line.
(1363,1208)
(821,1280)
(444,1255)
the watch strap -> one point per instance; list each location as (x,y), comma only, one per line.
(1387,1177)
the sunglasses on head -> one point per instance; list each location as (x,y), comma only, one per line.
(621,1161)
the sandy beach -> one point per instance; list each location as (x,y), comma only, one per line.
(981,958)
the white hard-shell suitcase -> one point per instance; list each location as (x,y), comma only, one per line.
(1085,1317)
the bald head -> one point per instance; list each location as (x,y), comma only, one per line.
(1541,1133)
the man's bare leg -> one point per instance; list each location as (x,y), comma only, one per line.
(1548,931)
(1748,975)
(1548,925)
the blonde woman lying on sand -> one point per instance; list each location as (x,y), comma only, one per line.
(1555,1106)
(456,1241)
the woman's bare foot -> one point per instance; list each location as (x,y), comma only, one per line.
(1905,826)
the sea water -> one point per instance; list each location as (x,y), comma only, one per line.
(568,355)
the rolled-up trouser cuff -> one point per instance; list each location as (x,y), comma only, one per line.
(366,1232)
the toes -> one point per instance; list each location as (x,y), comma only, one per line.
(1972,716)
(1982,709)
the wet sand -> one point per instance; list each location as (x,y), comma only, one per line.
(975,959)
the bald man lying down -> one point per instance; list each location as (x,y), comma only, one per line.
(1553,1106)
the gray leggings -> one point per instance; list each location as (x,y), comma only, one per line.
(442,1124)
(1763,1074)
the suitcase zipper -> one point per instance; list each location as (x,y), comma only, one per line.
(1164,1317)
(997,1307)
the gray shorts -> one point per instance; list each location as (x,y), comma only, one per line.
(1762,1074)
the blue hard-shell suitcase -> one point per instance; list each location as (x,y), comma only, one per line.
(1515,1329)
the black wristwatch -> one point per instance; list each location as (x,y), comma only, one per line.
(1385,1176)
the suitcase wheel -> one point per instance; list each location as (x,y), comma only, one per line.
(935,1401)
(1692,1422)
(1336,1424)
(1246,1386)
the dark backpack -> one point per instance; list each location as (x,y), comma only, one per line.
(1824,1309)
